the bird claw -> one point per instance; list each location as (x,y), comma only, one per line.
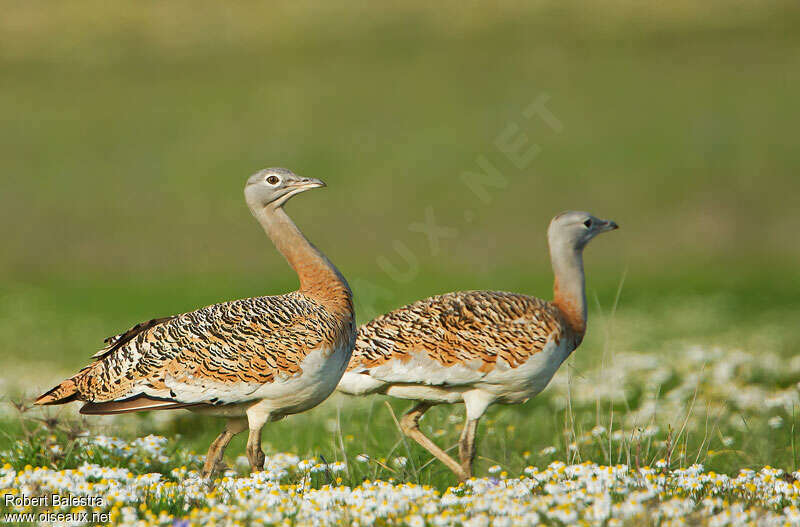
(257,465)
(218,468)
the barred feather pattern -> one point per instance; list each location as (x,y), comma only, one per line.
(226,351)
(471,327)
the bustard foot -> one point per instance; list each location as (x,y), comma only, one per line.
(256,457)
(214,462)
(218,468)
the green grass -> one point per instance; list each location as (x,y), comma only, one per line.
(344,427)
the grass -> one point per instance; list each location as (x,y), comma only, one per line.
(644,350)
(706,395)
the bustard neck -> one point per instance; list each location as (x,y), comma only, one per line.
(319,278)
(569,288)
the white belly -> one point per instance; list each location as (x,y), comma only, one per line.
(515,385)
(321,371)
(431,394)
(423,379)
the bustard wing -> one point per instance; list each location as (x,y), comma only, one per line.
(217,355)
(454,339)
(114,343)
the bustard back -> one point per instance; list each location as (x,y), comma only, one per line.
(251,360)
(477,347)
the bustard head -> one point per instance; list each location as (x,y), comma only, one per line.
(574,229)
(274,186)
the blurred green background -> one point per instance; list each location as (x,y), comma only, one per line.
(129,128)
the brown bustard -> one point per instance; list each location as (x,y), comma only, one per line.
(477,347)
(250,361)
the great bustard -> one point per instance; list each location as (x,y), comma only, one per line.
(477,347)
(251,361)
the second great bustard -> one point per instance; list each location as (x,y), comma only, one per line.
(251,361)
(477,347)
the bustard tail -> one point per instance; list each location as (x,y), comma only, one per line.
(65,392)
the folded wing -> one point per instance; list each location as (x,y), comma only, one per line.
(454,339)
(216,355)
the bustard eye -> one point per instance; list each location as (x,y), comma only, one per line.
(273,180)
(588,224)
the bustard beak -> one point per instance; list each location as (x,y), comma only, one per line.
(308,183)
(610,226)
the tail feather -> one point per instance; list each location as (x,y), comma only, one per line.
(134,404)
(65,392)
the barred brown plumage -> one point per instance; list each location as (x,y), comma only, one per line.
(477,347)
(249,341)
(250,360)
(460,327)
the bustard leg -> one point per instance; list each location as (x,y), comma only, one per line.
(466,446)
(217,448)
(257,416)
(409,423)
(476,402)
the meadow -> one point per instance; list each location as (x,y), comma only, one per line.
(128,131)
